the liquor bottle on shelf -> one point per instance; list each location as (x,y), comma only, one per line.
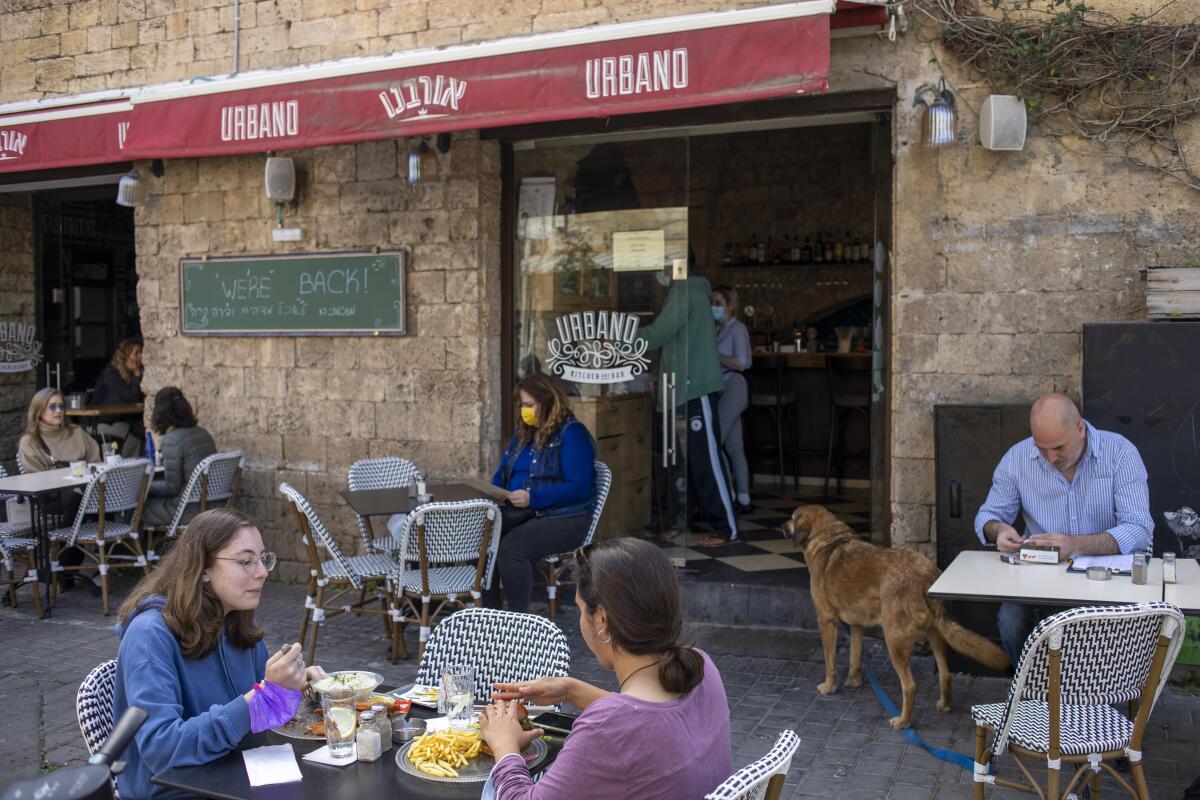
(806,252)
(767,256)
(754,250)
(828,246)
(839,251)
(743,253)
(794,251)
(846,253)
(819,250)
(727,259)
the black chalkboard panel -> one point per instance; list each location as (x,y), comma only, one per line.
(327,293)
(1142,380)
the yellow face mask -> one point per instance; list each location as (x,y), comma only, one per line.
(529,416)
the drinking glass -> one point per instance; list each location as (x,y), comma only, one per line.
(458,693)
(341,719)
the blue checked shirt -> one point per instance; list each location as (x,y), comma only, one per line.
(1109,492)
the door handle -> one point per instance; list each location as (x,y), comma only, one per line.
(955,499)
(674,428)
(667,414)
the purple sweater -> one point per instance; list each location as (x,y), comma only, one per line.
(623,747)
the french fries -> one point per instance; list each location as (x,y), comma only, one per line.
(440,754)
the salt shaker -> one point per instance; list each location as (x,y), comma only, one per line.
(1139,569)
(1168,567)
(385,726)
(367,739)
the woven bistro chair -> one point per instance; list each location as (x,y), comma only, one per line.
(553,564)
(339,575)
(390,472)
(762,780)
(455,544)
(115,491)
(17,546)
(218,477)
(94,708)
(502,646)
(1075,667)
(9,528)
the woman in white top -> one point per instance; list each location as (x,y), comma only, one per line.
(733,346)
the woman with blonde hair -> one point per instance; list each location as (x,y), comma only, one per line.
(120,384)
(192,658)
(547,470)
(51,440)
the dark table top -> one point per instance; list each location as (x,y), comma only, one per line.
(385,502)
(225,778)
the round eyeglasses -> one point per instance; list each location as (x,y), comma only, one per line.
(249,563)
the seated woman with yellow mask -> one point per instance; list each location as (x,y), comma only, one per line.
(547,470)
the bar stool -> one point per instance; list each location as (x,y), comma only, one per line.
(781,405)
(849,394)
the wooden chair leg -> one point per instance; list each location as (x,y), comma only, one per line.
(980,755)
(53,576)
(1139,780)
(399,646)
(552,589)
(103,574)
(319,606)
(774,788)
(31,566)
(425,626)
(1095,785)
(1053,777)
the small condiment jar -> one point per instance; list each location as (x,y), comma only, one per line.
(1168,568)
(384,725)
(367,739)
(1139,569)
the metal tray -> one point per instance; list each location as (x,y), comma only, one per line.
(475,771)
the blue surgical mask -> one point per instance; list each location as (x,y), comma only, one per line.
(718,313)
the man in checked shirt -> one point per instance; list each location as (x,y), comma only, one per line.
(1079,489)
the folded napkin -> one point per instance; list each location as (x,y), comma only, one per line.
(321,756)
(271,764)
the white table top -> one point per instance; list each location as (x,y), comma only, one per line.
(49,481)
(41,482)
(981,575)
(1185,593)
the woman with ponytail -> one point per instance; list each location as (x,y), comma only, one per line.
(663,734)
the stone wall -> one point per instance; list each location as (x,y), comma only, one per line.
(304,408)
(16,305)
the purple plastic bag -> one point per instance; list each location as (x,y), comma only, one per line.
(272,706)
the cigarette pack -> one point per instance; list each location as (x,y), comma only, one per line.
(1038,554)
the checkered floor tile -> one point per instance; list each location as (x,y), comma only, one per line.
(762,553)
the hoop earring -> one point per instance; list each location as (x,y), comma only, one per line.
(604,641)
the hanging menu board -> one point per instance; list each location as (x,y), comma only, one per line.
(348,294)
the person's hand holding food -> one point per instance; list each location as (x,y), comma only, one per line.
(286,668)
(503,727)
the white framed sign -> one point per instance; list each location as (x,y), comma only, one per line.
(639,251)
(20,351)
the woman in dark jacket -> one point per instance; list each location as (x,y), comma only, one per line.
(120,384)
(183,445)
(547,470)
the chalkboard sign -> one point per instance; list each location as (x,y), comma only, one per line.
(323,294)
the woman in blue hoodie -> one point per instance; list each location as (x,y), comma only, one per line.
(191,656)
(547,470)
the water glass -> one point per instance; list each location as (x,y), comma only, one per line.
(341,720)
(458,695)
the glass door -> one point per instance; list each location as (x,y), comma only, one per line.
(602,303)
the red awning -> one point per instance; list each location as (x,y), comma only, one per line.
(64,135)
(652,65)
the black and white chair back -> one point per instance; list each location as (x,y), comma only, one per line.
(452,546)
(94,705)
(9,527)
(390,472)
(114,489)
(215,478)
(758,781)
(502,646)
(603,478)
(1105,656)
(321,537)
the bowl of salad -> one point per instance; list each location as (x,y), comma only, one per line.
(363,684)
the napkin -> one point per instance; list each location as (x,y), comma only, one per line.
(272,764)
(321,756)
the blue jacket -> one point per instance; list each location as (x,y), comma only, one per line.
(196,710)
(561,479)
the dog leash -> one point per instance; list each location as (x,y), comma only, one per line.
(949,756)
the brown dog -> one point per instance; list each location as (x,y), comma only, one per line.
(864,585)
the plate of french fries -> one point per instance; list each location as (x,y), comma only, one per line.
(456,756)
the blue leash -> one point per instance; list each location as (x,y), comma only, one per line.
(950,756)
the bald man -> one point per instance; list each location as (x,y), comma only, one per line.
(1079,489)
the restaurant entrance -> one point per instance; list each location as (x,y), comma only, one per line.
(789,218)
(87,282)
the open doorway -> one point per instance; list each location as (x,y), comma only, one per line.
(87,283)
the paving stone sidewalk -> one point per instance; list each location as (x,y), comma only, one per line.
(847,749)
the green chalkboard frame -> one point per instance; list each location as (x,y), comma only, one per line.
(400,330)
